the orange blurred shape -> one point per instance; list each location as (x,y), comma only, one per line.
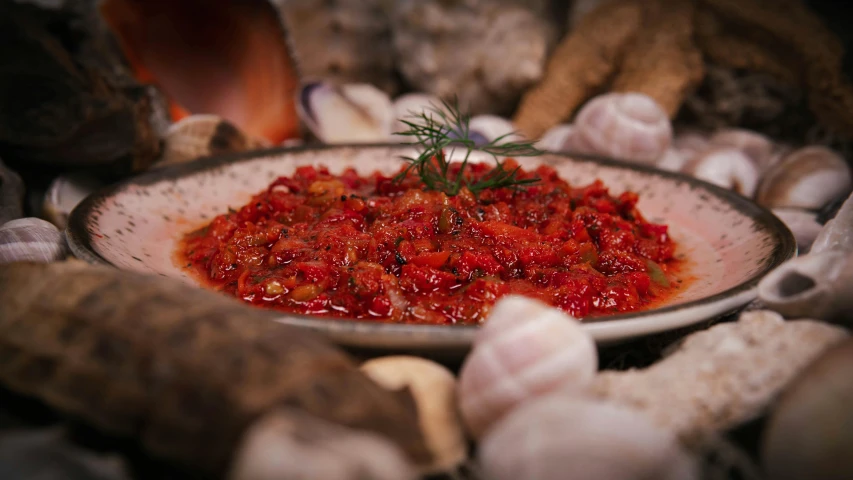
(223,57)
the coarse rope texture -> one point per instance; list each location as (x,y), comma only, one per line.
(664,49)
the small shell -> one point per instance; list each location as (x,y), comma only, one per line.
(628,126)
(837,234)
(433,387)
(719,378)
(690,142)
(818,285)
(200,136)
(809,433)
(727,168)
(673,161)
(525,349)
(409,106)
(11,195)
(63,194)
(492,127)
(760,149)
(806,178)
(803,224)
(554,140)
(31,240)
(352,113)
(562,437)
(289,443)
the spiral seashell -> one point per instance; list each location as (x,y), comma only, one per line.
(808,433)
(63,194)
(200,136)
(352,113)
(726,167)
(628,126)
(433,387)
(11,194)
(560,436)
(806,178)
(554,140)
(31,240)
(759,148)
(525,349)
(803,224)
(288,443)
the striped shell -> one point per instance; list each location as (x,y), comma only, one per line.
(31,240)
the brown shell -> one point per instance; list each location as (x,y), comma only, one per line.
(184,370)
(75,104)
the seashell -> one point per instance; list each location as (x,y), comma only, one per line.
(525,349)
(726,167)
(433,387)
(229,59)
(198,136)
(806,178)
(288,443)
(484,53)
(818,285)
(410,105)
(719,378)
(808,434)
(690,142)
(560,436)
(759,148)
(93,113)
(837,233)
(803,224)
(492,127)
(11,194)
(31,240)
(628,126)
(344,42)
(63,194)
(673,160)
(355,113)
(555,139)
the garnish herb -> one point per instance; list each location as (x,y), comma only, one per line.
(437,130)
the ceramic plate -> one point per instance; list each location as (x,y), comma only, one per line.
(728,242)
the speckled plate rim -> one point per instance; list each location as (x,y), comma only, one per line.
(362,334)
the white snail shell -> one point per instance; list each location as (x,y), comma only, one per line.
(409,107)
(562,437)
(629,126)
(726,167)
(673,160)
(433,387)
(809,178)
(808,434)
(690,142)
(203,135)
(31,240)
(287,443)
(759,148)
(555,138)
(350,113)
(492,127)
(63,194)
(525,349)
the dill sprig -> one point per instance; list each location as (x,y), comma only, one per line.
(440,129)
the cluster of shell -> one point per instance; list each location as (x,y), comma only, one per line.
(794,182)
(531,395)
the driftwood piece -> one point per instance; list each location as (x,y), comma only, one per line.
(66,98)
(184,370)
